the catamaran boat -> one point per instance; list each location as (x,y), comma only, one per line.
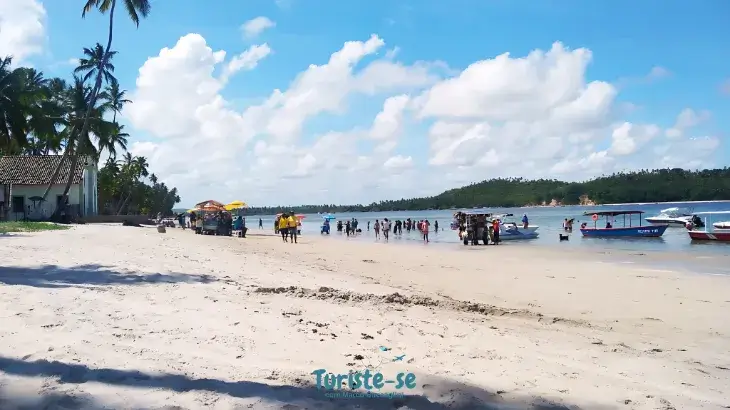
(677,217)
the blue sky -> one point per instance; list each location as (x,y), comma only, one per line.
(683,43)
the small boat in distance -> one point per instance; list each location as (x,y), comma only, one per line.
(677,217)
(702,227)
(627,231)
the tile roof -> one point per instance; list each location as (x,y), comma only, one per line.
(37,169)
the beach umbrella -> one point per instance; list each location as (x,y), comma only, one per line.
(236,205)
(212,208)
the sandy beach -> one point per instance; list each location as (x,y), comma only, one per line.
(103,316)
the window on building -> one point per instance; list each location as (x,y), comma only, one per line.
(18,204)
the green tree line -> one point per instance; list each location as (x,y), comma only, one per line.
(660,185)
(77,118)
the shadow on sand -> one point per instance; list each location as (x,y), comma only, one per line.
(453,395)
(51,276)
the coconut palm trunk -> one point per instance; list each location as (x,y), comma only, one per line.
(57,171)
(87,114)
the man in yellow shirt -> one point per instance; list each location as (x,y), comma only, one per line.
(292,223)
(283,224)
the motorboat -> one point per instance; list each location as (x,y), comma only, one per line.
(677,217)
(626,231)
(702,227)
(509,230)
(722,225)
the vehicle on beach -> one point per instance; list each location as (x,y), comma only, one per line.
(473,226)
(706,227)
(626,231)
(674,217)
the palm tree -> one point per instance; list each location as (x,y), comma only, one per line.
(93,63)
(116,98)
(115,137)
(13,123)
(135,9)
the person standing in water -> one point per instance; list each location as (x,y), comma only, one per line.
(368,226)
(435,226)
(377,229)
(424,230)
(386,229)
(261,223)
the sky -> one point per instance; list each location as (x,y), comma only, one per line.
(284,102)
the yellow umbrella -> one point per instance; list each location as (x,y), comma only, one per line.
(236,205)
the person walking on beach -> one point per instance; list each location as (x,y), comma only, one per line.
(377,229)
(283,227)
(292,222)
(261,223)
(386,229)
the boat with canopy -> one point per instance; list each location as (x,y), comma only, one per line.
(626,231)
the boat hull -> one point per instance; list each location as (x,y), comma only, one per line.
(709,236)
(653,231)
(511,232)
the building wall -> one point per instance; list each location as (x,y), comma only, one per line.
(41,210)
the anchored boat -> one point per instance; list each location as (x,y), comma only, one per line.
(703,228)
(625,231)
(677,217)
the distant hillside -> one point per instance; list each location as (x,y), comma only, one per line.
(662,185)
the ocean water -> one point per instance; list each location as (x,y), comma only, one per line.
(549,220)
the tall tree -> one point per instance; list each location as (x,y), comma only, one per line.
(135,9)
(115,98)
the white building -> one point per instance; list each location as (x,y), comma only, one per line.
(24,179)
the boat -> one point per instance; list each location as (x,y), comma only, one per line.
(510,230)
(626,231)
(722,225)
(471,225)
(677,217)
(702,227)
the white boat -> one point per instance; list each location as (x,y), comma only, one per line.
(722,225)
(509,230)
(677,217)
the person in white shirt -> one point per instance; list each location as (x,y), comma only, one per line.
(386,229)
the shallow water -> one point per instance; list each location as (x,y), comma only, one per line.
(549,219)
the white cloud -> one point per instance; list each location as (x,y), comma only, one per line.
(533,116)
(248,60)
(627,138)
(657,73)
(256,26)
(388,124)
(686,120)
(22,29)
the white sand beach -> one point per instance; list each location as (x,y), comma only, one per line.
(103,316)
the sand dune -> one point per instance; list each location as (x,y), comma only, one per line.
(123,317)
